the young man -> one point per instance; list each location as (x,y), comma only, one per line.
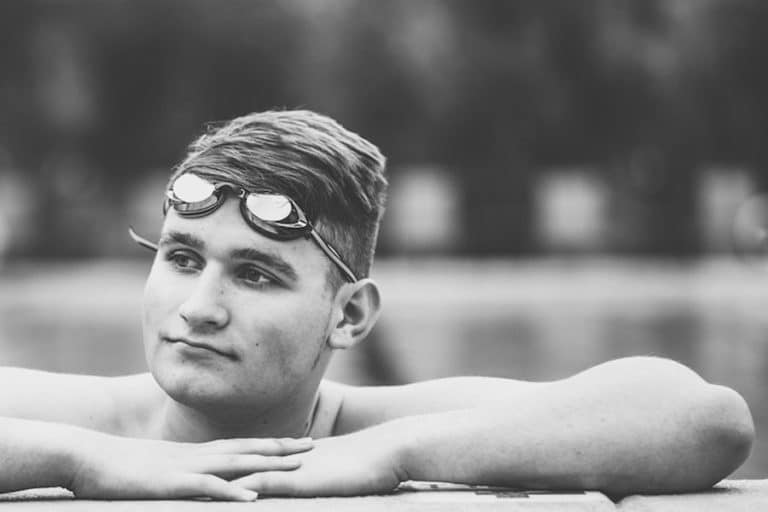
(261,273)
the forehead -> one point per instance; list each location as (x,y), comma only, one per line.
(224,234)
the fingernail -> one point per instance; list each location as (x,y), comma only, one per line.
(292,461)
(251,495)
(305,441)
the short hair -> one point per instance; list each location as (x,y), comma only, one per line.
(336,176)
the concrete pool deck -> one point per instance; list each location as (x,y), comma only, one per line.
(728,495)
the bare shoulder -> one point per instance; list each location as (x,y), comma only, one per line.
(66,398)
(88,401)
(364,406)
(330,399)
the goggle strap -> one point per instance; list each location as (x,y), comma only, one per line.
(141,240)
(334,256)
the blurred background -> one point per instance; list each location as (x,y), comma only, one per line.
(571,182)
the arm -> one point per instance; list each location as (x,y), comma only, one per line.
(33,454)
(627,426)
(96,465)
(634,425)
(46,445)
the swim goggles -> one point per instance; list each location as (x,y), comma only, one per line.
(273,215)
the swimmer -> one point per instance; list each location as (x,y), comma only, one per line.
(261,275)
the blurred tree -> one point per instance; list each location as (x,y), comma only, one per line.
(730,83)
(93,95)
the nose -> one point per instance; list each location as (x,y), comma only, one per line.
(204,309)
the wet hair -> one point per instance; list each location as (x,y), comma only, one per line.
(333,174)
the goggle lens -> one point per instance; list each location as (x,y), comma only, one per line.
(192,189)
(269,207)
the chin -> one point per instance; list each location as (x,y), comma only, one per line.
(196,397)
(192,387)
(208,391)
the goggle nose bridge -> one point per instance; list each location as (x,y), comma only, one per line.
(218,192)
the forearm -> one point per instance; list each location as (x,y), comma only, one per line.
(35,454)
(587,432)
(535,452)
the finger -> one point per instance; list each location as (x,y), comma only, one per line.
(272,483)
(230,465)
(213,487)
(269,446)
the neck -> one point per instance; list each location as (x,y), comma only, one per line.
(184,423)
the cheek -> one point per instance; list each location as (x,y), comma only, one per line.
(289,339)
(160,300)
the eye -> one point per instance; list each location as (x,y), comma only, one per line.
(184,261)
(254,276)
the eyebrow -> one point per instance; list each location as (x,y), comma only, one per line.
(271,259)
(181,238)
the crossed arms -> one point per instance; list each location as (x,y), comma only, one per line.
(626,426)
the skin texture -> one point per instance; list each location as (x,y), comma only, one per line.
(261,334)
(237,342)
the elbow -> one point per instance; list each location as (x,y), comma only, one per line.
(719,435)
(713,440)
(708,434)
(717,419)
(727,434)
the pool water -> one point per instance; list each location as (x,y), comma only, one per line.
(534,320)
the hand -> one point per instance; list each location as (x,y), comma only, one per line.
(338,466)
(123,468)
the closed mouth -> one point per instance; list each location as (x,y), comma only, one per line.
(200,345)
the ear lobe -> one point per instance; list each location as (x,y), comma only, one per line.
(358,309)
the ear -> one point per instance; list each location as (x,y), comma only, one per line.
(356,310)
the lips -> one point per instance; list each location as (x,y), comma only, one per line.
(198,345)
